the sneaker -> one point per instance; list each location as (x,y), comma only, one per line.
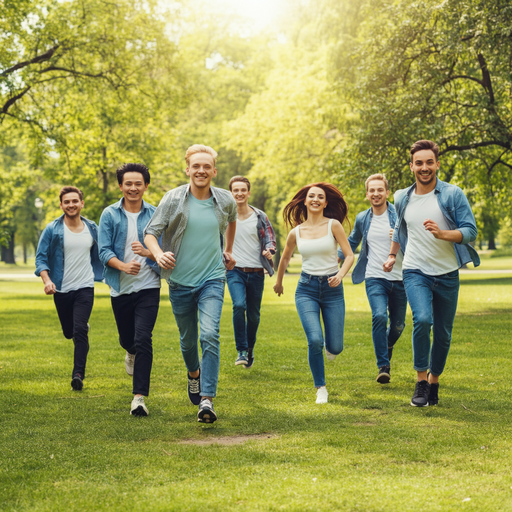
(242,358)
(77,382)
(421,392)
(384,375)
(250,359)
(206,413)
(330,357)
(129,361)
(139,407)
(433,396)
(321,395)
(194,388)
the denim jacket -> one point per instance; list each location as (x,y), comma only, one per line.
(267,239)
(360,232)
(171,217)
(112,238)
(50,251)
(457,212)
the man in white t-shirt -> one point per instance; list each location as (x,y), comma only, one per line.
(253,249)
(68,263)
(134,279)
(434,227)
(385,290)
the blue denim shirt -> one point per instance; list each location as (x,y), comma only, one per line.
(457,212)
(360,232)
(50,251)
(112,238)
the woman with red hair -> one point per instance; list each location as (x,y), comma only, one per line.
(316,214)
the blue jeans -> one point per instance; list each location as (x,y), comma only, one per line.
(246,290)
(313,294)
(433,301)
(383,296)
(205,301)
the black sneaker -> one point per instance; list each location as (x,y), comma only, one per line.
(420,397)
(194,388)
(250,358)
(76,382)
(433,396)
(206,413)
(384,375)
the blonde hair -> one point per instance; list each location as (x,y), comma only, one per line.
(200,148)
(376,177)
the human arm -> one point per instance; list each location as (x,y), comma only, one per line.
(448,235)
(341,238)
(139,249)
(228,248)
(164,259)
(49,286)
(389,263)
(291,243)
(355,236)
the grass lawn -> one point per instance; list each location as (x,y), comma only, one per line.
(366,450)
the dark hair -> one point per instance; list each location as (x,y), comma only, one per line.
(295,212)
(242,179)
(420,145)
(141,168)
(67,190)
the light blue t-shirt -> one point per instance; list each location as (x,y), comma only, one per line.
(200,255)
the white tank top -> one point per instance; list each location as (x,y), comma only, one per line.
(319,256)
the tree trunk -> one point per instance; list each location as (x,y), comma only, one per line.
(492,243)
(24,253)
(8,252)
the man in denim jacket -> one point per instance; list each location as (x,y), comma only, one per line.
(434,227)
(68,263)
(134,282)
(253,249)
(385,290)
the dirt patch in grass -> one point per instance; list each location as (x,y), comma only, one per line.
(228,440)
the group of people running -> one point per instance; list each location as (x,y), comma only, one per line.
(200,237)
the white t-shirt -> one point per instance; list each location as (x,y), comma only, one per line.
(379,245)
(319,256)
(425,252)
(146,278)
(247,247)
(78,272)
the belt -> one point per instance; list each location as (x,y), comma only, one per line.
(250,269)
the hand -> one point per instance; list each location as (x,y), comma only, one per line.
(267,254)
(391,233)
(166,260)
(132,268)
(334,281)
(431,226)
(49,288)
(278,288)
(389,263)
(229,261)
(139,249)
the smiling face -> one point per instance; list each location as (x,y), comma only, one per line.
(133,187)
(201,169)
(71,205)
(240,192)
(376,193)
(316,200)
(424,166)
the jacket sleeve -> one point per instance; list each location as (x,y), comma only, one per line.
(464,218)
(160,220)
(105,238)
(270,236)
(43,248)
(355,237)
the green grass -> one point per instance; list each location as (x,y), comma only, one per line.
(367,450)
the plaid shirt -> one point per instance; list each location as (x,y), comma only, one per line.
(171,217)
(267,239)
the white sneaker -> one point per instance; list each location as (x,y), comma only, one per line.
(138,407)
(321,395)
(329,356)
(129,361)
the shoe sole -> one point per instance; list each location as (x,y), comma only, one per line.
(247,366)
(206,416)
(240,363)
(139,411)
(432,404)
(384,378)
(418,405)
(77,384)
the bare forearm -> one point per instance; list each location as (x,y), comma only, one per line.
(347,264)
(153,247)
(116,263)
(230,237)
(283,265)
(395,247)
(450,235)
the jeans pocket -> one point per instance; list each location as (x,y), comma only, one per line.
(173,285)
(304,279)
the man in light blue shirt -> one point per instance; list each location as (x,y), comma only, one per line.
(197,223)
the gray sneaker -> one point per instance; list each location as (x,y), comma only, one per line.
(129,362)
(206,413)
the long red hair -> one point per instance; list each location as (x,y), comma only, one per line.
(295,212)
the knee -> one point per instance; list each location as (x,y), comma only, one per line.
(380,318)
(422,321)
(239,307)
(316,344)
